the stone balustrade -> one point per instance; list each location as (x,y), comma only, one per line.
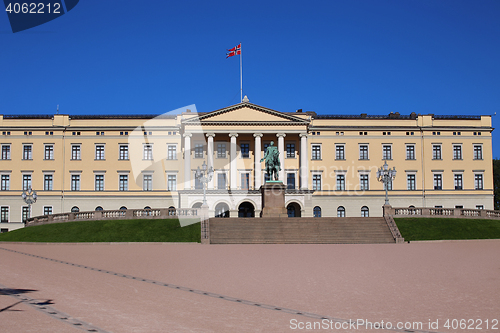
(440,212)
(120,214)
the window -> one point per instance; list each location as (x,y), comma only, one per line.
(457,152)
(171,183)
(340,182)
(339,152)
(458,181)
(99,152)
(340,211)
(123,208)
(123,183)
(25,213)
(49,152)
(411,182)
(290,150)
(49,133)
(478,181)
(198,150)
(363,182)
(363,152)
(365,212)
(245,181)
(76,152)
(479,207)
(4,214)
(222,210)
(75,182)
(48,181)
(99,183)
(221,150)
(245,150)
(75,209)
(316,183)
(410,152)
(99,133)
(290,180)
(197,183)
(147,152)
(387,152)
(5,152)
(171,152)
(99,208)
(316,152)
(438,181)
(26,182)
(123,154)
(317,211)
(478,152)
(5,186)
(147,182)
(47,210)
(27,152)
(221,181)
(436,152)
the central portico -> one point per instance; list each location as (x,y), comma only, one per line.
(235,139)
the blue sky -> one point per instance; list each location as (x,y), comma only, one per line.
(331,57)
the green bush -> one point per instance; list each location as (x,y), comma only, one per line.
(447,228)
(143,230)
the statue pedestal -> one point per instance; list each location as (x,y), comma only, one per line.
(273,199)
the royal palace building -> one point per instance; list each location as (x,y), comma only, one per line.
(329,163)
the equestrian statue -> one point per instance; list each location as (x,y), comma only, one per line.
(272,161)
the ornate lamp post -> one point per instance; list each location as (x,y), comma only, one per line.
(29,196)
(204,176)
(386,175)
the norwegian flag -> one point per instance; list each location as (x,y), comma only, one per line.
(234,51)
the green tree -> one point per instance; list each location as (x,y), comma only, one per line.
(496,182)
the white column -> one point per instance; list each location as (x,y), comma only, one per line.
(233,160)
(210,156)
(187,161)
(257,167)
(304,165)
(281,149)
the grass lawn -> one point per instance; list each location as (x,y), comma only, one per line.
(143,230)
(447,228)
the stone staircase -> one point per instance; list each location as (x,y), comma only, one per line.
(305,230)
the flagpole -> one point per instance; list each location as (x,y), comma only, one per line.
(241,75)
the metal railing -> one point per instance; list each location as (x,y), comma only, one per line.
(120,214)
(442,212)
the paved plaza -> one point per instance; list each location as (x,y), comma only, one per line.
(248,288)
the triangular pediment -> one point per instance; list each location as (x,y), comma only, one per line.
(246,113)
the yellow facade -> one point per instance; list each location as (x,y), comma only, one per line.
(329,161)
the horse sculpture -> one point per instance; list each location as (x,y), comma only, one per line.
(271,156)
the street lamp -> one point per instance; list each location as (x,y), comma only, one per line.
(386,175)
(29,196)
(204,176)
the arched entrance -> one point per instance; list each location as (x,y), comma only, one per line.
(246,209)
(293,209)
(222,210)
